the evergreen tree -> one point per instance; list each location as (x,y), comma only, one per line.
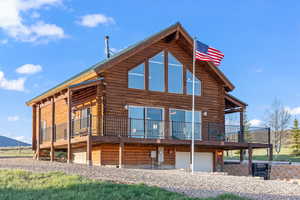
(296,137)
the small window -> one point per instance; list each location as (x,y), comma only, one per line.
(136,77)
(157,73)
(175,74)
(189,84)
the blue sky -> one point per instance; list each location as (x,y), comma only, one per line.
(43,42)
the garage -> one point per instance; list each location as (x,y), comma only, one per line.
(203,161)
(79,156)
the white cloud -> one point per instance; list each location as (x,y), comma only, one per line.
(29,69)
(13,118)
(13,23)
(293,111)
(3,41)
(22,139)
(94,20)
(17,84)
(255,122)
(35,15)
(258,70)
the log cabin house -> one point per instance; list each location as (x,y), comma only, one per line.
(134,110)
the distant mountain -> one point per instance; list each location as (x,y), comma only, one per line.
(9,142)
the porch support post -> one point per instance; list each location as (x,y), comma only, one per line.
(250,160)
(89,150)
(69,159)
(34,127)
(271,152)
(52,131)
(121,155)
(38,137)
(241,138)
(241,155)
(98,110)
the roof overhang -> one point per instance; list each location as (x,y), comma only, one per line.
(233,104)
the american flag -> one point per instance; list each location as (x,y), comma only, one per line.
(206,53)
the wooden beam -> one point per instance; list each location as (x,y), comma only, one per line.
(242,137)
(147,74)
(34,127)
(98,102)
(89,150)
(166,71)
(53,130)
(38,133)
(241,155)
(184,80)
(121,155)
(250,160)
(271,153)
(69,157)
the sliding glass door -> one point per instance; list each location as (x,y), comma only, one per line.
(181,124)
(145,122)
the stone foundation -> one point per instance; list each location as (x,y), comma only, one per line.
(236,169)
(285,172)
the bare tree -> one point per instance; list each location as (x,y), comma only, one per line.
(278,119)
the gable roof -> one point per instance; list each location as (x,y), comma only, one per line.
(118,57)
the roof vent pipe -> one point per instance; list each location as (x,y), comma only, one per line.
(107,50)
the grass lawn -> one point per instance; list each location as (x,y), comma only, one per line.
(16,152)
(286,154)
(17,184)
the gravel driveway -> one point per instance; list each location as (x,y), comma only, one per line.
(197,185)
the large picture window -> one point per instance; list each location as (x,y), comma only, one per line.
(157,73)
(136,77)
(175,75)
(189,84)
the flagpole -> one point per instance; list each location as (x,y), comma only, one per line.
(193,109)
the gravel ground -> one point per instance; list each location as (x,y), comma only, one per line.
(197,185)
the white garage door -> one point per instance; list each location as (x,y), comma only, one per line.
(203,161)
(79,156)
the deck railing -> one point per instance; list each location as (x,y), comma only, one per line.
(156,129)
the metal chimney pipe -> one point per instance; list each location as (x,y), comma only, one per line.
(107,50)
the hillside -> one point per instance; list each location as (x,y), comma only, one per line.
(9,142)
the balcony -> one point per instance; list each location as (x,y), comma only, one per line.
(178,130)
(155,129)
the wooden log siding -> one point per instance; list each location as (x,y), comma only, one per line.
(119,95)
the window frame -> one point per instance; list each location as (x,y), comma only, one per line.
(185,70)
(165,81)
(186,86)
(145,116)
(185,110)
(182,74)
(144,62)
